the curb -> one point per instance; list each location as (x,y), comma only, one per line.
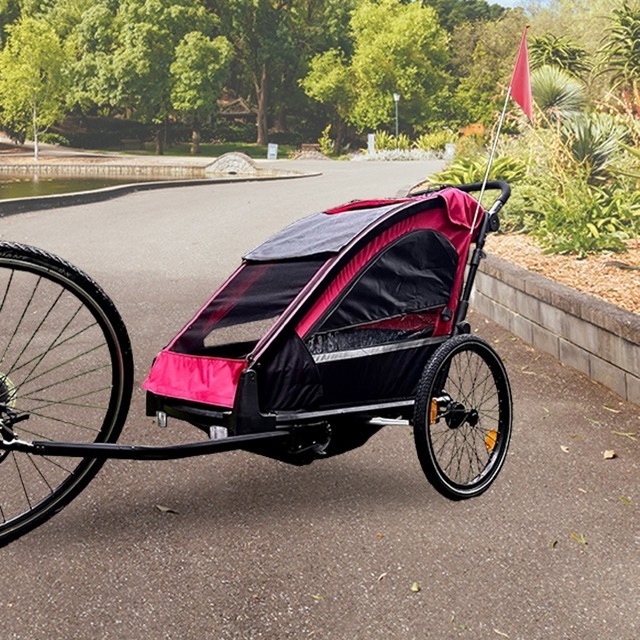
(21,205)
(595,337)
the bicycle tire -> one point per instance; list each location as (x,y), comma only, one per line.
(66,374)
(463,417)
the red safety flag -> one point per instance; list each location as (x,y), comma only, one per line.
(521,81)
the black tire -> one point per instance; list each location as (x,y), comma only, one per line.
(462,419)
(66,374)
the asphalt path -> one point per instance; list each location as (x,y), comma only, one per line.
(259,549)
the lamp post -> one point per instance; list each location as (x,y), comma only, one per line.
(396,99)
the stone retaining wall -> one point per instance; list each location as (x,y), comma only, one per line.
(594,337)
(105,169)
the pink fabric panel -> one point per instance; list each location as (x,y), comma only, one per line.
(199,379)
(366,204)
(455,225)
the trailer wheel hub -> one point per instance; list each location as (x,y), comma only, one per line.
(7,416)
(457,415)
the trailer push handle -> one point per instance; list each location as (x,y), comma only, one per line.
(490,222)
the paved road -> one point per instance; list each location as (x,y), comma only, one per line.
(258,549)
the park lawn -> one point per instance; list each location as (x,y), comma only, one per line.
(258,152)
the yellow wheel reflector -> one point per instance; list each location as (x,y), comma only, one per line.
(491,439)
(433,411)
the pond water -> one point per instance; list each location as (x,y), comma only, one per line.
(24,186)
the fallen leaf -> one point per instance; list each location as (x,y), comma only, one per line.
(415,587)
(316,597)
(625,500)
(565,449)
(609,454)
(163,509)
(379,536)
(626,434)
(554,544)
(579,537)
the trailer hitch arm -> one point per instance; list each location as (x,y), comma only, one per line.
(103,450)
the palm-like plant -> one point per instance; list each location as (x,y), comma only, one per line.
(561,52)
(621,46)
(557,94)
(595,142)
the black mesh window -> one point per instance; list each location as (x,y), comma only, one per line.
(246,308)
(397,296)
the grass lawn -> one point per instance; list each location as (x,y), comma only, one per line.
(259,152)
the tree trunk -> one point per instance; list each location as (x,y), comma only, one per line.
(161,138)
(195,138)
(280,123)
(261,87)
(341,129)
(36,154)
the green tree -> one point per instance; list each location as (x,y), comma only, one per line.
(261,32)
(92,43)
(397,48)
(198,71)
(483,57)
(330,81)
(33,83)
(315,26)
(452,13)
(149,32)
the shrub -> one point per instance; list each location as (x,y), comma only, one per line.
(54,138)
(384,141)
(435,141)
(595,142)
(325,141)
(466,170)
(580,218)
(402,142)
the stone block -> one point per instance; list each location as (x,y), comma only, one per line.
(574,356)
(608,375)
(506,295)
(527,306)
(502,316)
(552,319)
(545,340)
(522,327)
(633,388)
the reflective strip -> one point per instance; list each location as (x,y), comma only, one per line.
(318,358)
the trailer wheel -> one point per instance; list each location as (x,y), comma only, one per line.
(462,418)
(66,374)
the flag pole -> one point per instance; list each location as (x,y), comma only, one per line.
(491,157)
(520,89)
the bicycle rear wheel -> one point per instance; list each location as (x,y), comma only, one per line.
(66,374)
(462,419)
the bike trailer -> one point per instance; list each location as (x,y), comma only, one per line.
(339,312)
